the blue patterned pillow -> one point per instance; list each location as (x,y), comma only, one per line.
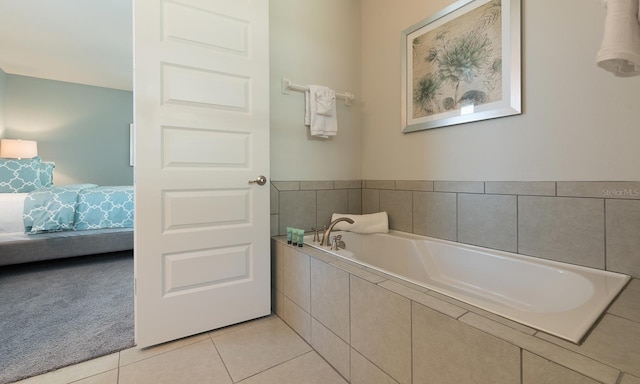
(46,173)
(19,175)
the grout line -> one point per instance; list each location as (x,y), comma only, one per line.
(362,355)
(220,356)
(413,215)
(349,315)
(279,364)
(604,226)
(517,224)
(412,305)
(118,374)
(331,365)
(521,365)
(457,220)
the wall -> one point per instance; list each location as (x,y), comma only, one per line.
(579,122)
(3,77)
(314,42)
(83,129)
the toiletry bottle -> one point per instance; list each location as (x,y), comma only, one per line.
(289,234)
(300,237)
(294,236)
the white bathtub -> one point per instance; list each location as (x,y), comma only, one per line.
(558,298)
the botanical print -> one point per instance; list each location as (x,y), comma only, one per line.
(459,63)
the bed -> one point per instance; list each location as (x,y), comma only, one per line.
(40,221)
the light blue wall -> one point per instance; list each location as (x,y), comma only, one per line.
(84,129)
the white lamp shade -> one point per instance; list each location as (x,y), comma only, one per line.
(18,149)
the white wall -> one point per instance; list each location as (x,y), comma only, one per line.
(579,122)
(3,77)
(314,42)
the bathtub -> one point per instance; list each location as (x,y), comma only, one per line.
(558,298)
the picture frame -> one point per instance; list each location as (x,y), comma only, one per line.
(462,64)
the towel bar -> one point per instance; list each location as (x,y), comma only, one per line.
(287,86)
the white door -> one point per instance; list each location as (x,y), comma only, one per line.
(202,133)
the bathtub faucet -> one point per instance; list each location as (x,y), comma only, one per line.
(327,233)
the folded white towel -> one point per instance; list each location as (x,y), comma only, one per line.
(371,223)
(326,102)
(620,49)
(320,111)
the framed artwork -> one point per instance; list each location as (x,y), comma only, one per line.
(462,64)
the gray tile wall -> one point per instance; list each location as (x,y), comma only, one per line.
(381,328)
(596,224)
(480,358)
(488,221)
(310,204)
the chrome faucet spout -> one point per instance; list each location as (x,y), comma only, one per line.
(327,233)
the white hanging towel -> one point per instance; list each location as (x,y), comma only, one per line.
(620,49)
(320,111)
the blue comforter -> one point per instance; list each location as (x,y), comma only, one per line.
(78,207)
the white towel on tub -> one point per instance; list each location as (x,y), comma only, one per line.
(620,49)
(320,111)
(371,223)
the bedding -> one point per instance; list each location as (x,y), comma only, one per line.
(105,207)
(19,175)
(52,209)
(39,221)
(18,247)
(78,207)
(45,172)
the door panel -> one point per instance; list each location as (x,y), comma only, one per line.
(202,132)
(212,148)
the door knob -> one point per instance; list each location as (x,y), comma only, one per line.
(261,180)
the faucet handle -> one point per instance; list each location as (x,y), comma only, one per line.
(337,243)
(315,234)
(334,243)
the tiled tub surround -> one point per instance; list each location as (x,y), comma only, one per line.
(595,224)
(567,305)
(374,328)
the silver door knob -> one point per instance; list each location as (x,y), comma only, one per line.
(261,180)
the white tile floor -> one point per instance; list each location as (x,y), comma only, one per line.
(262,351)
